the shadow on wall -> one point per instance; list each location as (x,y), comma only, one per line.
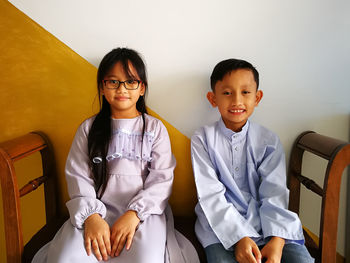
(187,106)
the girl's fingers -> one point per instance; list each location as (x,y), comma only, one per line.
(107,244)
(87,244)
(120,246)
(102,248)
(96,249)
(129,241)
(115,242)
(113,235)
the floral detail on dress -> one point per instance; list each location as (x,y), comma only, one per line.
(126,144)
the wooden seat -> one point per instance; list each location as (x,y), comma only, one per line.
(10,152)
(335,151)
(338,155)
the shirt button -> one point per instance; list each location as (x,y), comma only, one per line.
(236,148)
(236,169)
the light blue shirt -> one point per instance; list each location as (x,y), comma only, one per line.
(241,186)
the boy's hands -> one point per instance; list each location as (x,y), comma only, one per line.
(96,236)
(272,251)
(246,251)
(123,232)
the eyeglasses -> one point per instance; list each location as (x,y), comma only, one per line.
(130,84)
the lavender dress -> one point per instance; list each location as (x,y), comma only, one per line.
(141,178)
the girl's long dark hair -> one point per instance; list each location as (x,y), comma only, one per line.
(101,129)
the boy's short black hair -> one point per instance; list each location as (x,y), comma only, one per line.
(228,65)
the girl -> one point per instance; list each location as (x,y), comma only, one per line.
(119,174)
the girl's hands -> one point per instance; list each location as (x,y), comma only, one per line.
(272,251)
(96,236)
(247,251)
(123,232)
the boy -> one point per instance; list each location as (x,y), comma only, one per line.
(239,170)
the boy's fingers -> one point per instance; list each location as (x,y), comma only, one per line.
(257,253)
(251,254)
(250,258)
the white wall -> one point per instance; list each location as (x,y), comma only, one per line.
(301,49)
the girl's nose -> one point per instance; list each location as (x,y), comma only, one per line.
(121,88)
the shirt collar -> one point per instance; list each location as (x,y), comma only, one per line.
(231,135)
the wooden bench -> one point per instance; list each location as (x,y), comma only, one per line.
(21,147)
(336,152)
(338,155)
(10,152)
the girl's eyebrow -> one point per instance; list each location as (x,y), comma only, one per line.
(111,75)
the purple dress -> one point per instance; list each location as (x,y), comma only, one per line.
(140,179)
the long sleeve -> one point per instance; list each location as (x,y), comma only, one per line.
(241,185)
(276,219)
(152,199)
(81,190)
(224,219)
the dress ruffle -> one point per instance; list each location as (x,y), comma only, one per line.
(126,144)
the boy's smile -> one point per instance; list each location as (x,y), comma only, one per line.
(236,97)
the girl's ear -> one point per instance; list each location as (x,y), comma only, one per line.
(142,89)
(211,98)
(259,95)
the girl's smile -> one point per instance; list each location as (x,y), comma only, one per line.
(122,98)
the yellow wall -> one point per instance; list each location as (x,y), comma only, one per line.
(46,86)
(184,196)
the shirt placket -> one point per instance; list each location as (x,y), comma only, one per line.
(235,155)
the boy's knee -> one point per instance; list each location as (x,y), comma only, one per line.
(216,253)
(294,253)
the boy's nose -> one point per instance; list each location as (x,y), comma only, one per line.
(236,99)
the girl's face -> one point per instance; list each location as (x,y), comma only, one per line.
(122,100)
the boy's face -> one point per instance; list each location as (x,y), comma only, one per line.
(236,97)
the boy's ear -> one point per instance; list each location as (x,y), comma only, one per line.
(259,95)
(211,98)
